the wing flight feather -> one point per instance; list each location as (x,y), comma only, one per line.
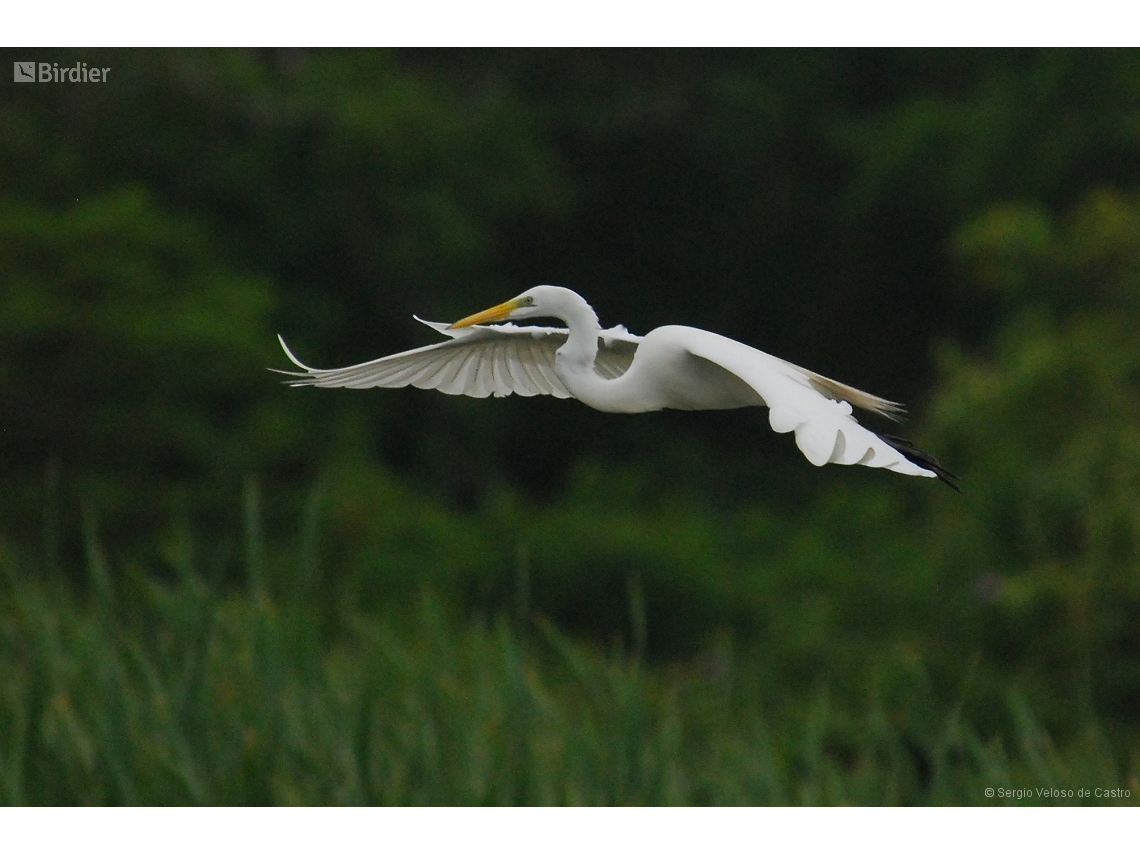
(825,430)
(500,360)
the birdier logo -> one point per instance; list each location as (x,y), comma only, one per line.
(50,72)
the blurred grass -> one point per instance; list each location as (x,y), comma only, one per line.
(165,685)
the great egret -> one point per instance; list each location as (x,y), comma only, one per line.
(672,367)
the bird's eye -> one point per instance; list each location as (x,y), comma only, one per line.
(530,301)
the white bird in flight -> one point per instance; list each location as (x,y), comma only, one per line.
(672,367)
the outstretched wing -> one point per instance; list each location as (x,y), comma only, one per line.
(499,360)
(817,409)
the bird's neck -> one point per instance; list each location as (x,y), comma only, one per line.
(574,364)
(581,347)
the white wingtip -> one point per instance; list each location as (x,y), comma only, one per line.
(292,358)
(443,328)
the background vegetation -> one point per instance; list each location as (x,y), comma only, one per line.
(217,590)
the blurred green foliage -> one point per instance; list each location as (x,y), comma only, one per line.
(128,345)
(176,693)
(1047,420)
(220,590)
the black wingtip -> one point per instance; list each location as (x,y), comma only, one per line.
(920,458)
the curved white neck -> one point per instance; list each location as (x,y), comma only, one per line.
(574,363)
(581,346)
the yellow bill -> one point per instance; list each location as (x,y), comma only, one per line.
(488,316)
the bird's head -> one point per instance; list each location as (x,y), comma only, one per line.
(540,301)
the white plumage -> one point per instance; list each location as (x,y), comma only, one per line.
(477,361)
(673,367)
